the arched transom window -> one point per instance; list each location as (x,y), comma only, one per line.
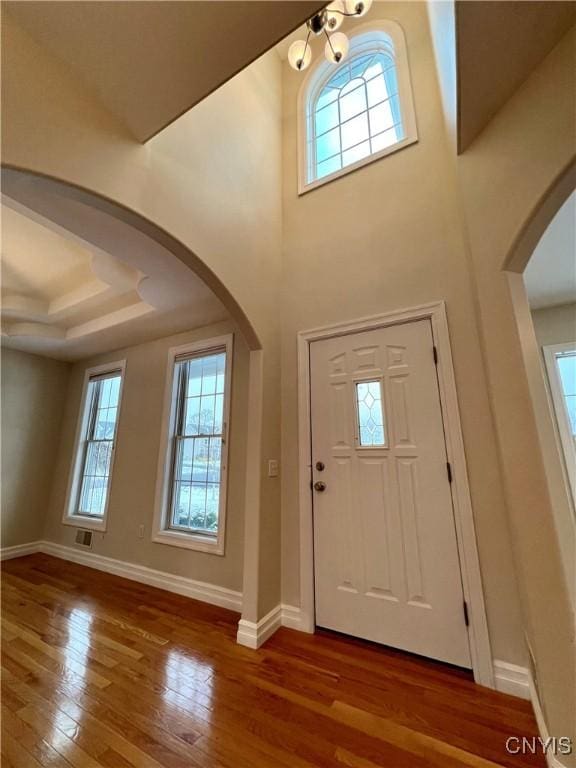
(360,110)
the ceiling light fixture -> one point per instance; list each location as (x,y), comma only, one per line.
(327,22)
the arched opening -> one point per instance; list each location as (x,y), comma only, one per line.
(552,304)
(109,228)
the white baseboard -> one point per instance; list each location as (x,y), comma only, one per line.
(20,550)
(511,679)
(551,760)
(293,618)
(181,585)
(254,634)
(517,681)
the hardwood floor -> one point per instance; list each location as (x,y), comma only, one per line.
(100,671)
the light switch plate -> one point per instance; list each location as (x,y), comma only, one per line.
(272,467)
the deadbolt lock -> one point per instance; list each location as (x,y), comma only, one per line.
(320,466)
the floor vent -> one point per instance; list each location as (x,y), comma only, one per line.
(84,539)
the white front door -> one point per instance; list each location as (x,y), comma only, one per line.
(385,550)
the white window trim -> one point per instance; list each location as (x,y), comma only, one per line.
(160,532)
(70,517)
(318,75)
(560,411)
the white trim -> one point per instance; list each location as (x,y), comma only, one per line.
(20,550)
(254,634)
(161,534)
(180,585)
(551,760)
(362,40)
(551,353)
(74,478)
(517,681)
(512,679)
(292,617)
(463,516)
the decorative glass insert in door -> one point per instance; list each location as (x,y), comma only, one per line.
(370,414)
(198,439)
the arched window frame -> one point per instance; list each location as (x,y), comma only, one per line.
(383,36)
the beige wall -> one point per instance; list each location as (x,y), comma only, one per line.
(212,180)
(385,237)
(388,237)
(33,397)
(555,325)
(134,479)
(504,179)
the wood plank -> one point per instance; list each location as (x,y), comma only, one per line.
(101,671)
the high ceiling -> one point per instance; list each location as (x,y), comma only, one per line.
(64,300)
(151,61)
(498,45)
(550,276)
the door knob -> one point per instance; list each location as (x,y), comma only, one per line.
(319,486)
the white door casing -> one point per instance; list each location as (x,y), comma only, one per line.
(481,656)
(386,555)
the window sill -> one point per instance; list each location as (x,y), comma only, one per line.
(90,523)
(198,542)
(304,187)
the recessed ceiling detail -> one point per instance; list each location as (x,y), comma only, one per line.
(58,295)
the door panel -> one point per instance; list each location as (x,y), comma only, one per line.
(386,556)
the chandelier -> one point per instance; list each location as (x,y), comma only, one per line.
(327,22)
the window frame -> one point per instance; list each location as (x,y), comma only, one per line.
(385,446)
(162,532)
(71,516)
(380,36)
(567,441)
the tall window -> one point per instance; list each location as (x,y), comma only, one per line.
(360,110)
(91,475)
(560,362)
(193,465)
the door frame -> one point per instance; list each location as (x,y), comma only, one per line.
(464,520)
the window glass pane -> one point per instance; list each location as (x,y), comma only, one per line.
(105,423)
(198,448)
(328,145)
(352,99)
(359,152)
(182,496)
(381,118)
(114,391)
(102,403)
(192,425)
(359,66)
(354,131)
(571,407)
(362,99)
(370,416)
(567,369)
(377,91)
(194,386)
(327,96)
(327,118)
(329,166)
(95,478)
(384,140)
